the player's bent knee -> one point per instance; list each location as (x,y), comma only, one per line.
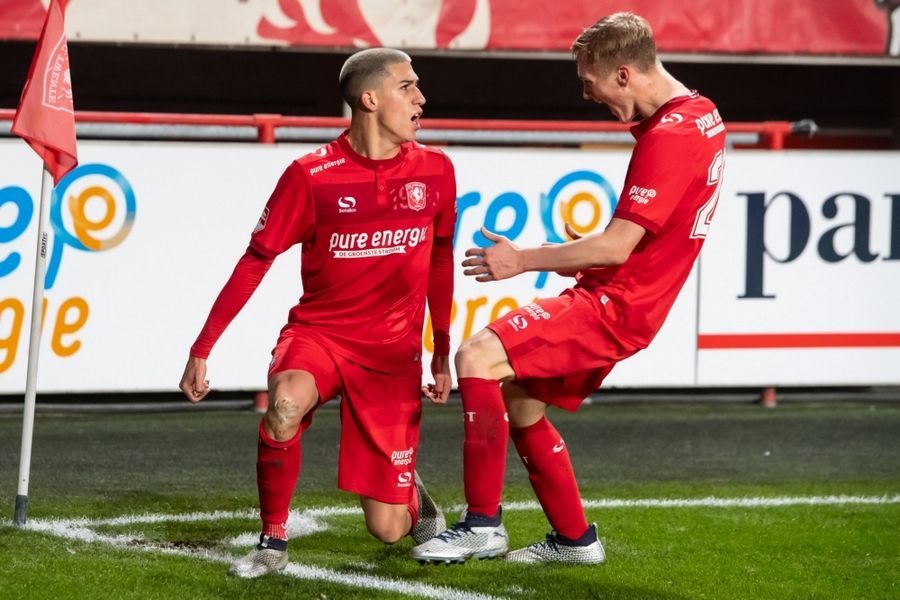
(387,531)
(484,356)
(290,398)
(282,417)
(470,357)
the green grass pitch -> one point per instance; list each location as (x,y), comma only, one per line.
(92,473)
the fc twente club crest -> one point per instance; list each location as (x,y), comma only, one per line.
(415,195)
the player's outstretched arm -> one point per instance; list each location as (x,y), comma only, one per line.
(504,259)
(244,280)
(194,383)
(572,236)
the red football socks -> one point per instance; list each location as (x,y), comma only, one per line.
(484,448)
(277,471)
(549,467)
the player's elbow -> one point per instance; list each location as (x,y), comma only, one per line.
(611,256)
(618,256)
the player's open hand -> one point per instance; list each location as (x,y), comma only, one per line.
(500,261)
(439,391)
(194,383)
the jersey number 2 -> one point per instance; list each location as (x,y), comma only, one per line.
(705,214)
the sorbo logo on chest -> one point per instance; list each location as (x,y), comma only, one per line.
(366,244)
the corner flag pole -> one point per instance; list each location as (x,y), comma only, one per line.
(45,119)
(34,347)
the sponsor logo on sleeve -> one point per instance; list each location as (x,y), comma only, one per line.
(710,124)
(641,195)
(404,480)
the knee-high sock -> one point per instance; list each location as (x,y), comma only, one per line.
(549,467)
(484,448)
(277,471)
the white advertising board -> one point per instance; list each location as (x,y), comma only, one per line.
(801,272)
(145,234)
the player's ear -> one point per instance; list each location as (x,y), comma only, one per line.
(623,73)
(368,100)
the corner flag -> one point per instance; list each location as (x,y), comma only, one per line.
(45,117)
(46,120)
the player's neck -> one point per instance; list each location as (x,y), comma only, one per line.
(661,88)
(368,141)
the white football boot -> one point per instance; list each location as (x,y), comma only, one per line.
(553,550)
(461,542)
(269,555)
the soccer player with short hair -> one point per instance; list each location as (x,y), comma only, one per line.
(375,213)
(558,350)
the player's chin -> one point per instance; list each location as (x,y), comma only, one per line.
(412,129)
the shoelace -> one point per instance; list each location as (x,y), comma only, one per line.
(551,542)
(455,531)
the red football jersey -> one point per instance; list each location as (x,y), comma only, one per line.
(671,189)
(367,228)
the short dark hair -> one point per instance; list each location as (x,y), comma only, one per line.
(622,37)
(365,70)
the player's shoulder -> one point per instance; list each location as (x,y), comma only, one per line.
(321,159)
(686,118)
(429,154)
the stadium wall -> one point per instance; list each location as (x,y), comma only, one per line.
(798,284)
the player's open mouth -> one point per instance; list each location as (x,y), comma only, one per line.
(415,120)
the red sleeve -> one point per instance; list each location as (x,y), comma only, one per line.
(440,293)
(440,275)
(445,221)
(243,282)
(660,171)
(289,216)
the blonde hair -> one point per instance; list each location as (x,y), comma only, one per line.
(622,37)
(365,70)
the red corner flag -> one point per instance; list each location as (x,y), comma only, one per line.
(45,117)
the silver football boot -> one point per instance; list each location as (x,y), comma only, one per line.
(269,555)
(431,518)
(461,542)
(553,550)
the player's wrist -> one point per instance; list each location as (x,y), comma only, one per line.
(529,259)
(441,344)
(198,353)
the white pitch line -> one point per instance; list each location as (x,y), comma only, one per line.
(75,530)
(714,502)
(332,511)
(82,529)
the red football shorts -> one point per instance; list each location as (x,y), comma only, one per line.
(380,417)
(562,348)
